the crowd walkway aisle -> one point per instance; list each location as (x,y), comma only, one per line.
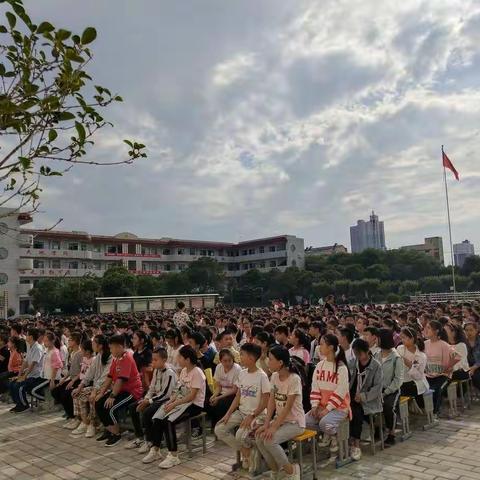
(35,446)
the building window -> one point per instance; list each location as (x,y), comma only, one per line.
(56,264)
(84,265)
(211,253)
(168,267)
(38,263)
(244,266)
(97,248)
(251,251)
(73,265)
(252,265)
(181,266)
(203,253)
(166,251)
(281,248)
(244,252)
(97,265)
(55,245)
(262,264)
(273,264)
(181,251)
(38,244)
(73,246)
(220,253)
(272,248)
(193,251)
(261,250)
(113,249)
(83,247)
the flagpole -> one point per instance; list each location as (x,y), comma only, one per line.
(449,226)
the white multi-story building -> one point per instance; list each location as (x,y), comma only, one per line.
(461,251)
(33,254)
(369,234)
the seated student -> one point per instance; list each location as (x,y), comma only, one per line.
(250,403)
(226,378)
(441,357)
(174,344)
(225,340)
(285,417)
(281,336)
(414,359)
(345,340)
(29,374)
(329,397)
(315,331)
(205,352)
(300,345)
(4,354)
(122,387)
(14,364)
(456,338)
(473,345)
(392,366)
(370,334)
(85,394)
(16,331)
(366,392)
(51,368)
(62,392)
(164,381)
(265,341)
(142,354)
(188,400)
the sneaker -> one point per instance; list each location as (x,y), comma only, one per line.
(67,424)
(91,431)
(152,456)
(296,473)
(145,447)
(254,461)
(113,440)
(74,425)
(104,436)
(390,441)
(355,453)
(20,409)
(170,461)
(334,445)
(325,441)
(135,443)
(80,430)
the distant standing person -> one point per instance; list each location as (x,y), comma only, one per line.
(181,316)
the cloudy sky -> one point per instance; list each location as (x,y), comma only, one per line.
(265,117)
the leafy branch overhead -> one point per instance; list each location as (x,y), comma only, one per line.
(50,109)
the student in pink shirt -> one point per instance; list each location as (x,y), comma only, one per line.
(301,345)
(441,357)
(285,416)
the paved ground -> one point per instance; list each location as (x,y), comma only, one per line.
(34,446)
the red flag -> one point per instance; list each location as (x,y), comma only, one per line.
(448,164)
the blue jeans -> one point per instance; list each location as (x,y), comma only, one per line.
(327,424)
(19,390)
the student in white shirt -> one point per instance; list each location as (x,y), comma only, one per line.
(456,338)
(249,404)
(415,382)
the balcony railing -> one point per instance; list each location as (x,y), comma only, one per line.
(60,272)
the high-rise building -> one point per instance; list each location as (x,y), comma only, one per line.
(432,246)
(461,251)
(369,234)
(29,255)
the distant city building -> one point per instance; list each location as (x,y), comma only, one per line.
(369,234)
(461,251)
(325,251)
(432,246)
(29,255)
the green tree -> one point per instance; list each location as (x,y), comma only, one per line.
(118,282)
(206,275)
(354,272)
(474,284)
(46,295)
(378,270)
(177,283)
(47,120)
(78,294)
(147,285)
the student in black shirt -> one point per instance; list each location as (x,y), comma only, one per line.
(142,354)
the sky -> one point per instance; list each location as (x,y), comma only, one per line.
(266,117)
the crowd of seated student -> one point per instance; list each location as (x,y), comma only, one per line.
(152,367)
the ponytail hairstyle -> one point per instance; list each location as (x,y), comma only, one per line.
(392,324)
(147,342)
(331,340)
(54,339)
(265,337)
(290,362)
(303,338)
(189,353)
(87,346)
(174,334)
(103,341)
(438,328)
(411,332)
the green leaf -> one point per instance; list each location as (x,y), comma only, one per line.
(45,27)
(76,39)
(3,29)
(63,34)
(52,135)
(89,35)
(81,131)
(66,116)
(129,143)
(12,19)
(2,69)
(118,98)
(25,162)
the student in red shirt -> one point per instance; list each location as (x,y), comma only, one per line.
(122,387)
